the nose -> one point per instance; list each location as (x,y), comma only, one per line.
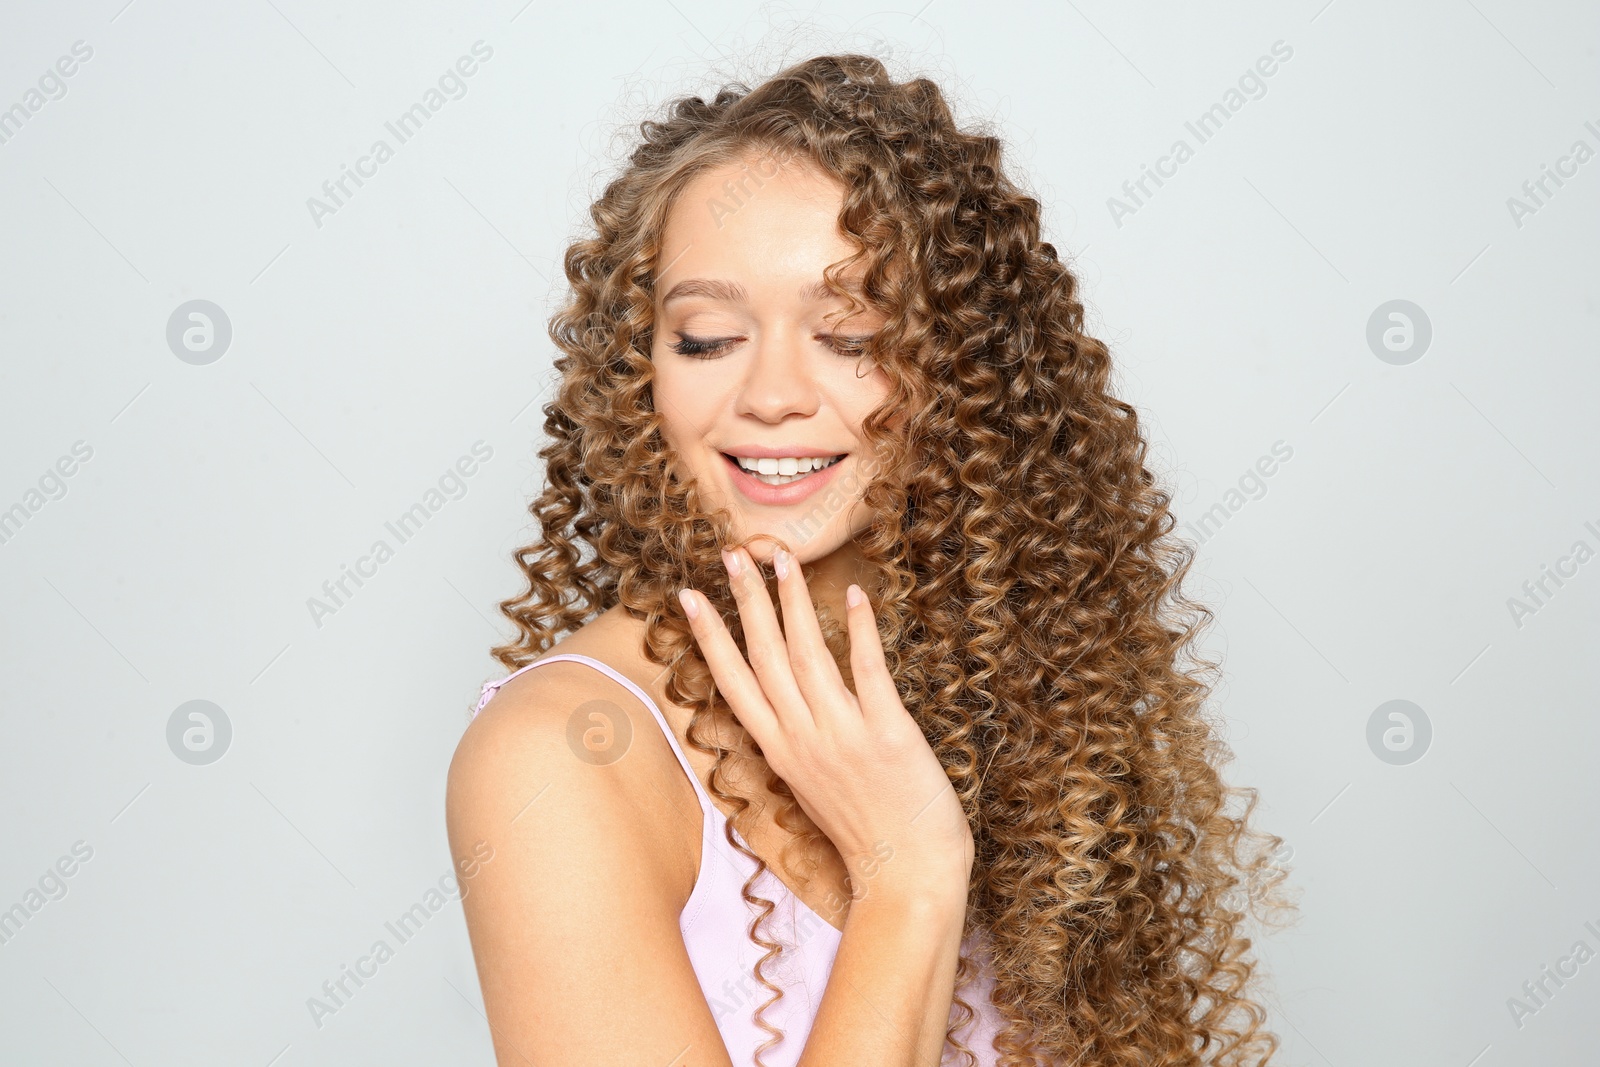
(779,381)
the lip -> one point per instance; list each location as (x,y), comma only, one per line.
(778,451)
(759,492)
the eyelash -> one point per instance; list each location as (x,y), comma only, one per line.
(699,348)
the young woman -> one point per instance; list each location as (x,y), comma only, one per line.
(847,721)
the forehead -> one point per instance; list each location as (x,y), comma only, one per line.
(756,171)
(762,221)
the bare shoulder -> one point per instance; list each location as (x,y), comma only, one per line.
(567,734)
(528,716)
(573,875)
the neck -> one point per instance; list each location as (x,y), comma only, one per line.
(829,576)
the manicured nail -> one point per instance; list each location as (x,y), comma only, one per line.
(730,561)
(852,596)
(690,608)
(780,562)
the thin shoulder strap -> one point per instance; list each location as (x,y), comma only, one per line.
(490,688)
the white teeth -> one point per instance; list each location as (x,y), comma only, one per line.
(785,469)
(785,464)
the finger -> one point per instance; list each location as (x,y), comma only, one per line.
(821,685)
(875,688)
(735,680)
(764,641)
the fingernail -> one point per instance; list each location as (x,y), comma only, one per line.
(780,562)
(852,596)
(690,608)
(730,561)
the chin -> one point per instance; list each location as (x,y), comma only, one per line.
(805,549)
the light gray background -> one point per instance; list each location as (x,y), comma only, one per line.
(369,352)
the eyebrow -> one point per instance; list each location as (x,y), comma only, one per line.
(734,293)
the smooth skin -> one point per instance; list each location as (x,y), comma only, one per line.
(574,921)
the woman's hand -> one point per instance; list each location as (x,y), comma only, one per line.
(857,763)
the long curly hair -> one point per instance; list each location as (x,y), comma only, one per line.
(1027,579)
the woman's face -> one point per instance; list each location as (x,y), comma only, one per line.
(750,374)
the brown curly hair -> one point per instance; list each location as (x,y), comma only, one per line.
(1028,583)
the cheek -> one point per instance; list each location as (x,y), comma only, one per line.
(690,411)
(676,404)
(865,395)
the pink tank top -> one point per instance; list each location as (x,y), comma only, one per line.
(715,917)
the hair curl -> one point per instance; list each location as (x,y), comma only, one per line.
(1029,584)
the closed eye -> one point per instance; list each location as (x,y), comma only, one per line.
(699,348)
(711,347)
(848,346)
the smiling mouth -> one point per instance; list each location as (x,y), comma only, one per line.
(780,479)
